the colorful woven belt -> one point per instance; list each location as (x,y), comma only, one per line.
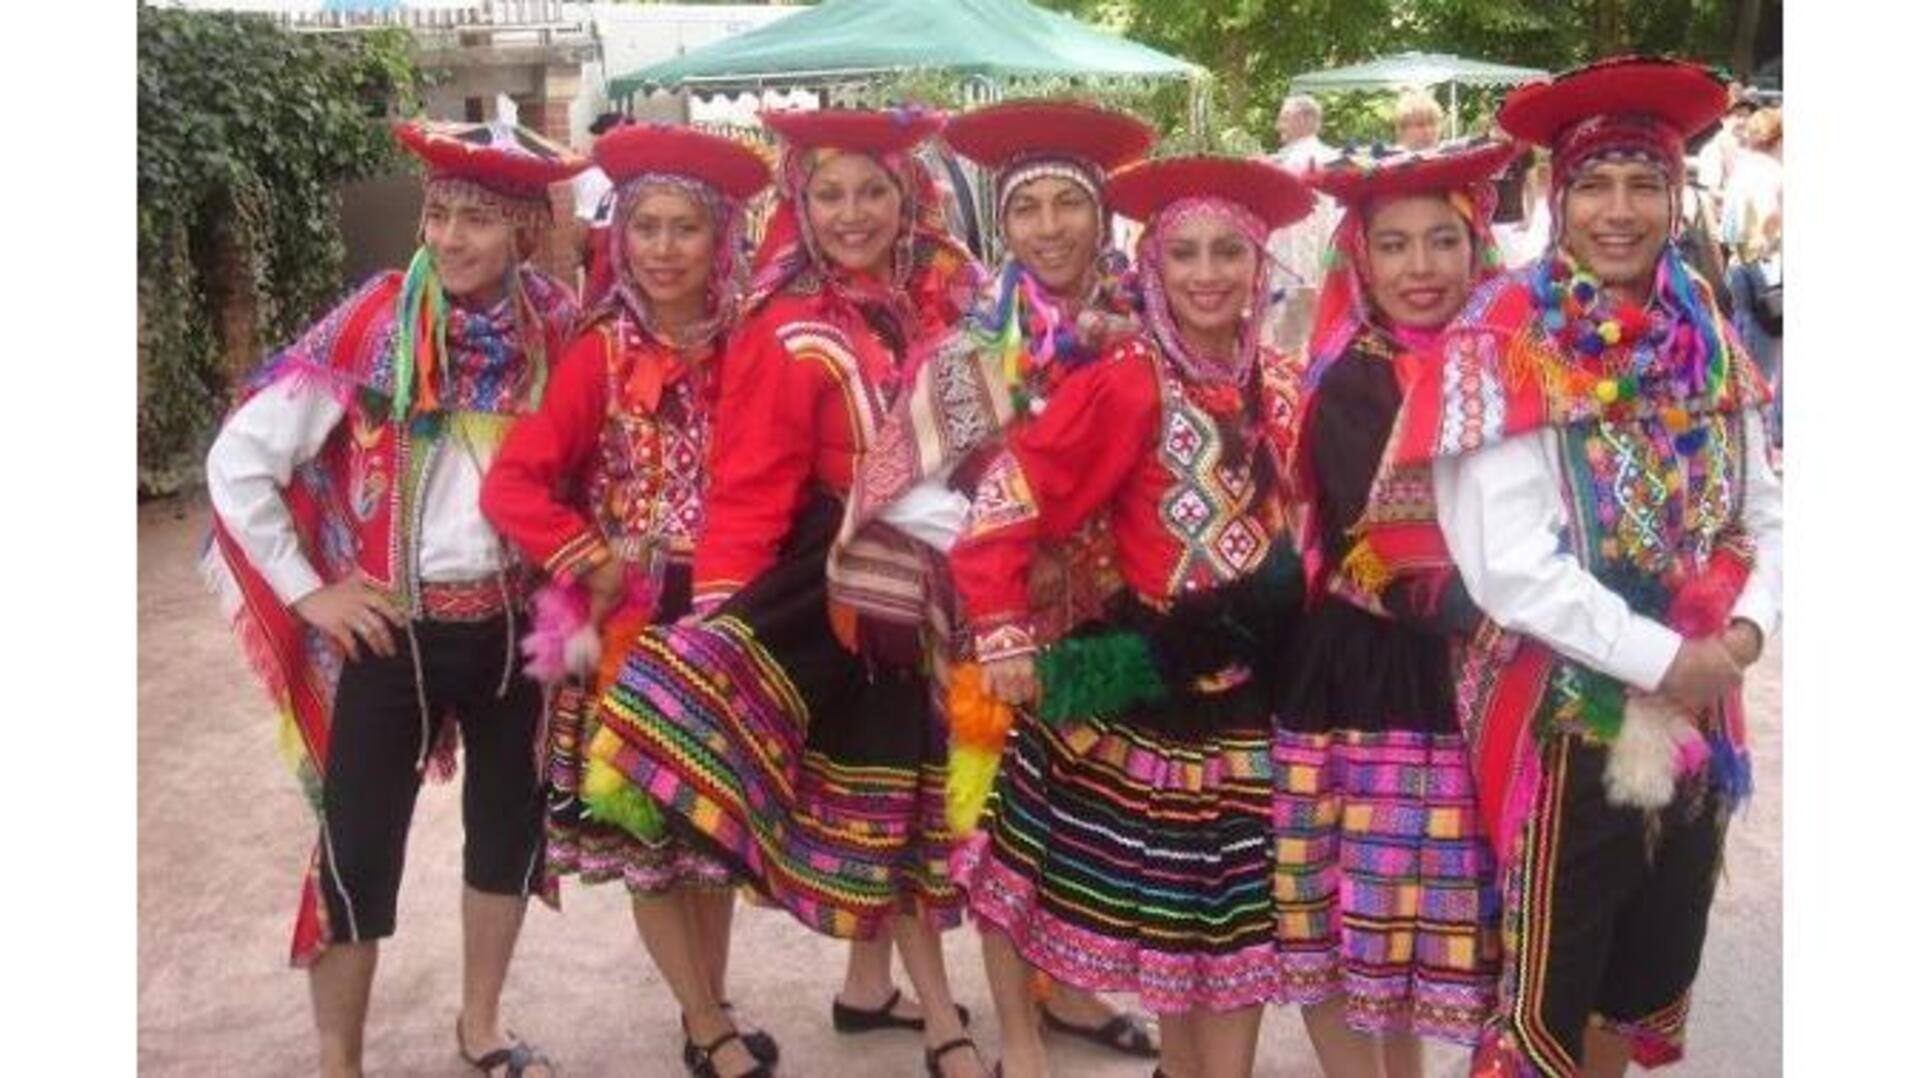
(468,600)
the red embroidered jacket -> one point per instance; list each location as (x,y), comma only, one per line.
(613,460)
(800,399)
(1123,434)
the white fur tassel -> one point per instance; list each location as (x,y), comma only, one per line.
(582,651)
(1658,742)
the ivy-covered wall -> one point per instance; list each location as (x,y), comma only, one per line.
(246,132)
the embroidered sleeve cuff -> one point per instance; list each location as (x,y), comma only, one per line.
(708,596)
(577,557)
(1643,652)
(291,579)
(1005,641)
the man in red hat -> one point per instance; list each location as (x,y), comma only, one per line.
(371,595)
(1600,480)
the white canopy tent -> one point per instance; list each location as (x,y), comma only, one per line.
(1422,70)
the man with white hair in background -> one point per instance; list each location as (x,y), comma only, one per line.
(1297,249)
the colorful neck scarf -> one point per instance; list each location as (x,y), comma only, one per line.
(1672,350)
(448,358)
(1200,369)
(726,281)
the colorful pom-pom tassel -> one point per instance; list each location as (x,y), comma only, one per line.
(970,776)
(613,799)
(1097,676)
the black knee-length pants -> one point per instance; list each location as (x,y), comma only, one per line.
(373,775)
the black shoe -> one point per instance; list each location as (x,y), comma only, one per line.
(1124,1033)
(700,1059)
(760,1044)
(934,1055)
(857,1020)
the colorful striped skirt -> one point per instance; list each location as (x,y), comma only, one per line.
(599,852)
(1385,883)
(1124,857)
(820,778)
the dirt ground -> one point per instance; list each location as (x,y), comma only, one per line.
(224,837)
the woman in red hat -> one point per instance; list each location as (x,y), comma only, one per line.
(1127,840)
(371,594)
(796,737)
(1591,441)
(602,488)
(1387,907)
(1060,293)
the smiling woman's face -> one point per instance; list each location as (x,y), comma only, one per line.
(670,243)
(1208,269)
(1419,261)
(853,210)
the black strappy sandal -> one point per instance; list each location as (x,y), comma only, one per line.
(1125,1032)
(517,1056)
(934,1055)
(760,1044)
(701,1062)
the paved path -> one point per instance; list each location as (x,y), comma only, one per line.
(224,837)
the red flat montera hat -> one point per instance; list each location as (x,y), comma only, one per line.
(1682,97)
(1358,178)
(867,131)
(1014,131)
(734,169)
(1267,191)
(505,158)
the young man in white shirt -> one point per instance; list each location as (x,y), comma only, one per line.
(371,595)
(1600,481)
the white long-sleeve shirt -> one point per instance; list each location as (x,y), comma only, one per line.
(283,427)
(1502,514)
(930,511)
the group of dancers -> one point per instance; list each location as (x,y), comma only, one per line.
(1398,679)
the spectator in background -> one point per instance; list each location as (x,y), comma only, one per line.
(1716,159)
(1522,225)
(1297,249)
(1416,121)
(593,208)
(1750,226)
(1299,128)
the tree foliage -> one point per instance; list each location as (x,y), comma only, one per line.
(1254,48)
(246,131)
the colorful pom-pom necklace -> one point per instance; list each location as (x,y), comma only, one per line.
(1570,300)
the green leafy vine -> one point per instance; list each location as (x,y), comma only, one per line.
(246,132)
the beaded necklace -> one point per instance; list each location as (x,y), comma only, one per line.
(1620,345)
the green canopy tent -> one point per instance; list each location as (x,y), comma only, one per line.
(993,42)
(848,40)
(1417,69)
